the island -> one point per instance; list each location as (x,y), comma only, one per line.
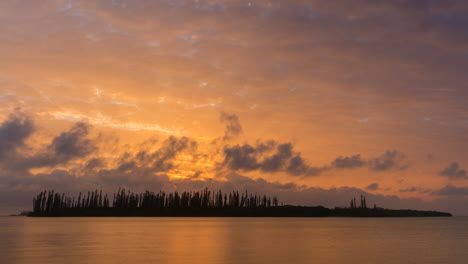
(204,203)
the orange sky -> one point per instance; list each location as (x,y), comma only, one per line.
(384,80)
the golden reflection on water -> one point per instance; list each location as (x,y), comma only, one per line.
(233,240)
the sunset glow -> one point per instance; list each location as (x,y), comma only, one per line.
(308,100)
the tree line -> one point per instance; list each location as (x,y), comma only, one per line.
(124,202)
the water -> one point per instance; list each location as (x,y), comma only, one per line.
(233,240)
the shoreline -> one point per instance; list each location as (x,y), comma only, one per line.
(277,211)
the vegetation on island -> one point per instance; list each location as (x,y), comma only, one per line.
(198,203)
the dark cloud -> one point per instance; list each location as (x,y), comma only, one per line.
(159,160)
(298,167)
(260,157)
(13,133)
(410,189)
(94,163)
(265,146)
(168,151)
(284,159)
(77,143)
(127,166)
(233,126)
(72,144)
(67,146)
(264,157)
(414,189)
(354,161)
(372,187)
(454,171)
(390,160)
(241,157)
(277,161)
(453,190)
(63,148)
(196,175)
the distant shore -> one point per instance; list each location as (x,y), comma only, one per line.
(278,211)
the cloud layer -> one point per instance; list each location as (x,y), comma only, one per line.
(454,171)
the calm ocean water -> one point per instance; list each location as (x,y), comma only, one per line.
(233,240)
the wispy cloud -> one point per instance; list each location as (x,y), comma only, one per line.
(102,120)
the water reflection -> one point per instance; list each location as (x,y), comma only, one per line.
(233,240)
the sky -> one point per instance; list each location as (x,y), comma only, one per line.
(314,101)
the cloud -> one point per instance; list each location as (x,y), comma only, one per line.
(410,189)
(265,156)
(450,190)
(390,160)
(241,157)
(354,161)
(454,171)
(372,187)
(146,164)
(276,161)
(13,133)
(94,163)
(260,157)
(72,143)
(414,189)
(298,167)
(233,126)
(65,147)
(17,156)
(160,160)
(104,120)
(78,144)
